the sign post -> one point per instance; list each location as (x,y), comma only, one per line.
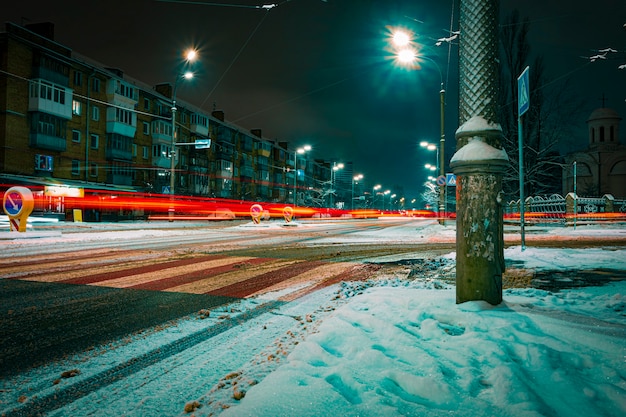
(18,203)
(523,103)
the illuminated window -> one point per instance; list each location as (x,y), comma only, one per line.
(76,107)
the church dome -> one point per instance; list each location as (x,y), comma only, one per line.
(603,113)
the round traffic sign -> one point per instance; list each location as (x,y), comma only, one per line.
(288,213)
(17,202)
(441,180)
(256,211)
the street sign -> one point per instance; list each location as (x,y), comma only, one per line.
(451,180)
(203,143)
(441,180)
(13,203)
(523,92)
(18,203)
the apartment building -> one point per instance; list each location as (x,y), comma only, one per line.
(68,123)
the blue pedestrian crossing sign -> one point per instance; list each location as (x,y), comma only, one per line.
(451,180)
(523,92)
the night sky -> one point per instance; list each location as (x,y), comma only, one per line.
(317,72)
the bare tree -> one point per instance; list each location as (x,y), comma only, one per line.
(544,125)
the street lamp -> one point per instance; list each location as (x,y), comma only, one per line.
(299,151)
(375,193)
(336,167)
(356,178)
(407,54)
(384,194)
(190,56)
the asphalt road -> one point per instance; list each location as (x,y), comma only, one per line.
(59,299)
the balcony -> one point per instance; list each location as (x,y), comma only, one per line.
(121,93)
(119,154)
(199,125)
(50,98)
(162,162)
(52,143)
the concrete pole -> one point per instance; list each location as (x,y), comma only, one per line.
(479,161)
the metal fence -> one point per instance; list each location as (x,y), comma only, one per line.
(556,208)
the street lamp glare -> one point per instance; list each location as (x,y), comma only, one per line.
(307,148)
(406,56)
(191,55)
(188,75)
(431,147)
(401,38)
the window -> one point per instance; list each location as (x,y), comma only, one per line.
(47,91)
(145,152)
(146,103)
(134,149)
(93,141)
(78,78)
(43,163)
(160,151)
(124,116)
(46,124)
(93,169)
(126,90)
(76,107)
(95,85)
(95,113)
(146,128)
(76,136)
(75,167)
(163,128)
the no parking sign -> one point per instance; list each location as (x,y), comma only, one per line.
(18,203)
(256,211)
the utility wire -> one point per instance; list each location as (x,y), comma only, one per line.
(233,61)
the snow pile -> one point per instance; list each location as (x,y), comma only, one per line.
(413,351)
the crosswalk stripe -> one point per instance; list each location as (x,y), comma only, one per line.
(136,280)
(215,282)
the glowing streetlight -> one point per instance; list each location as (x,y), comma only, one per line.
(299,151)
(355,179)
(407,54)
(190,56)
(333,175)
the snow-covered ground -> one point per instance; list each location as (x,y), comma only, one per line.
(383,348)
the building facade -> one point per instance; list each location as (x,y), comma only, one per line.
(67,121)
(601,168)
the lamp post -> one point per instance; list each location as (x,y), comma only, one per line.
(299,151)
(407,55)
(190,56)
(356,178)
(336,167)
(384,194)
(375,193)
